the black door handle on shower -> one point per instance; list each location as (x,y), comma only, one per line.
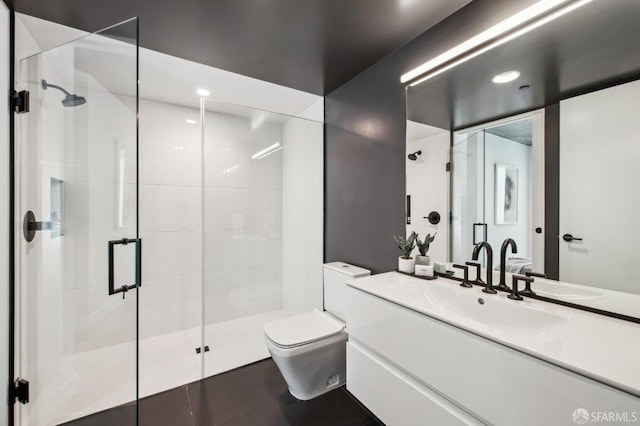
(484,232)
(124,288)
(568,238)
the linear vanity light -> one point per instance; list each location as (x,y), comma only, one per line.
(516,25)
(267,151)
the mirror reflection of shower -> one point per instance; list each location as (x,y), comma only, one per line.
(70,100)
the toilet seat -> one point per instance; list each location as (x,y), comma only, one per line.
(302,329)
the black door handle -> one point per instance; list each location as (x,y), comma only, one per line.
(124,288)
(568,238)
(434,218)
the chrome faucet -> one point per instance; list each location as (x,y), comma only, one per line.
(476,252)
(502,285)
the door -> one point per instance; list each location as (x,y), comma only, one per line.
(78,251)
(599,202)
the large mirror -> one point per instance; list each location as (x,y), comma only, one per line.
(550,159)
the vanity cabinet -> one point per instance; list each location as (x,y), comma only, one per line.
(410,368)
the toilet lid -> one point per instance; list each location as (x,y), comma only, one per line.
(301,329)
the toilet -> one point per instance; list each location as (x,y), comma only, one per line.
(310,349)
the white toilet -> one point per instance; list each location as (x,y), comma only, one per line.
(310,349)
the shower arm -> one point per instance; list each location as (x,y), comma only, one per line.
(46,85)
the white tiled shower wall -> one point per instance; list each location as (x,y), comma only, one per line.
(302,215)
(252,210)
(428,184)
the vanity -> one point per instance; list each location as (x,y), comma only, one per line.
(431,352)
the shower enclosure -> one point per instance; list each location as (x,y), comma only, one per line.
(78,259)
(163,232)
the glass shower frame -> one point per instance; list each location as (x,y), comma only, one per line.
(78,251)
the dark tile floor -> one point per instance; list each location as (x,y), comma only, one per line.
(254,395)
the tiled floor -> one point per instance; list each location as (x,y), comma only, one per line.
(254,395)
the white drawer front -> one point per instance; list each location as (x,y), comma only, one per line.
(396,398)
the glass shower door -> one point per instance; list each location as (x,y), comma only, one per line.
(468,224)
(78,250)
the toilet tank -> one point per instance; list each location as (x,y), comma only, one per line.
(335,289)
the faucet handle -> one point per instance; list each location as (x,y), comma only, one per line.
(478,267)
(514,287)
(527,287)
(465,281)
(535,274)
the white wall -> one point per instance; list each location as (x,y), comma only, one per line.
(499,150)
(302,220)
(243,217)
(427,181)
(253,211)
(170,209)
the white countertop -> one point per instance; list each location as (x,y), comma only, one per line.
(605,349)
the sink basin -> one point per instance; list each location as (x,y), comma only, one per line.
(471,304)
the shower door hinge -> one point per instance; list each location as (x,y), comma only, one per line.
(447,167)
(21,391)
(20,101)
(199,350)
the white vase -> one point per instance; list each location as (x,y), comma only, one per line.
(406,265)
(423,260)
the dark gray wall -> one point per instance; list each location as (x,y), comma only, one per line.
(552,191)
(365,142)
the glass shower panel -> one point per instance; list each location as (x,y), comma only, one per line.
(468,225)
(78,249)
(171,228)
(262,260)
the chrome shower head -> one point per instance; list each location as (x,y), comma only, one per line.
(414,156)
(70,99)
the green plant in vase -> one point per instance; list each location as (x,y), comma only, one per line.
(406,263)
(423,248)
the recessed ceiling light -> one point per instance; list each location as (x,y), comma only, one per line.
(190,121)
(505,77)
(203,92)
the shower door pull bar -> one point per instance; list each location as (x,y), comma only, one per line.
(484,232)
(125,288)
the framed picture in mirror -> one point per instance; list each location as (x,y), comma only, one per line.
(506,194)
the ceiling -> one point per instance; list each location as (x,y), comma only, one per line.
(310,45)
(520,131)
(595,46)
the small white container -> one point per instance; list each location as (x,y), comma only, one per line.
(424,270)
(406,265)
